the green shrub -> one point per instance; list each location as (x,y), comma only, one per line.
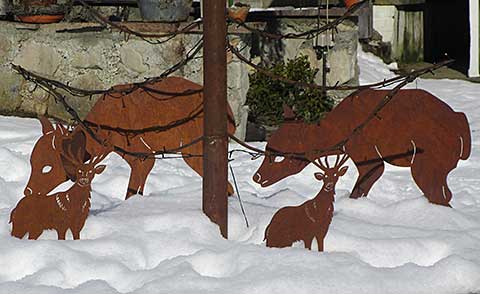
(267,96)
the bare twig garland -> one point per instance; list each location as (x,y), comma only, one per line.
(155,129)
(111,92)
(147,37)
(300,84)
(47,86)
(409,78)
(92,134)
(51,85)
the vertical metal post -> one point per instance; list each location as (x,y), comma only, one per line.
(215,143)
(324,73)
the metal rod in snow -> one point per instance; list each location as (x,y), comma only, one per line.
(239,198)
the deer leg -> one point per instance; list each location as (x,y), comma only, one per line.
(432,180)
(19,233)
(61,232)
(76,234)
(308,242)
(320,243)
(368,174)
(140,168)
(34,234)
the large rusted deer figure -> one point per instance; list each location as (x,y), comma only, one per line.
(112,117)
(311,219)
(61,211)
(415,129)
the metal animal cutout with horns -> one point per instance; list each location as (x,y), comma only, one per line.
(64,210)
(415,129)
(174,103)
(311,219)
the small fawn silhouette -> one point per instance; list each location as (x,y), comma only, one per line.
(61,211)
(312,218)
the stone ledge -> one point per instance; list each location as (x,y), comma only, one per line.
(143,27)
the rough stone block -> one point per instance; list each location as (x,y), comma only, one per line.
(38,57)
(132,59)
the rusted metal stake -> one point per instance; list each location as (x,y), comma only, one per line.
(215,146)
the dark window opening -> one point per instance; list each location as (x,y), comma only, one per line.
(447,32)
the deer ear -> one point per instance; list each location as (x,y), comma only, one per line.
(99,169)
(288,112)
(318,176)
(47,126)
(61,128)
(342,171)
(72,153)
(70,167)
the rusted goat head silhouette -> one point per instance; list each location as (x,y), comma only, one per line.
(63,210)
(49,167)
(312,218)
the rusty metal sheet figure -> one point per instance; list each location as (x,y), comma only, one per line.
(173,102)
(64,210)
(415,129)
(312,218)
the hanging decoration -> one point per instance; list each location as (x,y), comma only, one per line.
(324,41)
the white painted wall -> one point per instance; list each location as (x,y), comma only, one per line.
(384,21)
(474,70)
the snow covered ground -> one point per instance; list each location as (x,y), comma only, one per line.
(394,241)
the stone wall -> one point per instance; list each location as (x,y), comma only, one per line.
(342,58)
(89,57)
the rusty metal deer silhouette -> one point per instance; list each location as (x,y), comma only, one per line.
(64,210)
(174,103)
(311,219)
(415,129)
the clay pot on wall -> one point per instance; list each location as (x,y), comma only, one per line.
(165,10)
(40,11)
(350,3)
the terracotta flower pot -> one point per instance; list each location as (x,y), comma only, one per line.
(42,19)
(40,11)
(239,13)
(350,3)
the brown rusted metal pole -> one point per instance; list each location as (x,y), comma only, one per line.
(215,144)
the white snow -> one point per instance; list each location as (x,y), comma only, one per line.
(394,241)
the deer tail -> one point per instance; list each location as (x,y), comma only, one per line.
(464,137)
(266,233)
(11,216)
